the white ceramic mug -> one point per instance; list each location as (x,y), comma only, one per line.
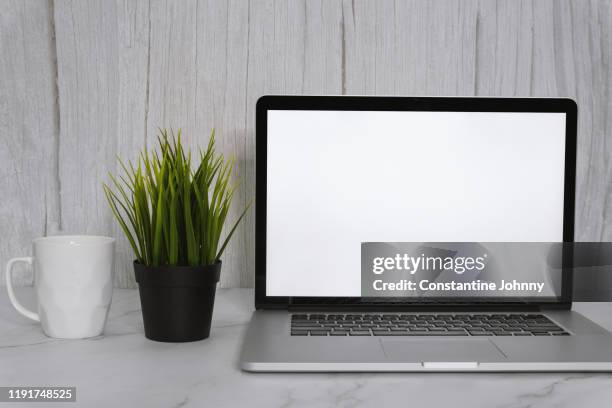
(73,275)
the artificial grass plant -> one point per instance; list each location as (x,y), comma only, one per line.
(171,213)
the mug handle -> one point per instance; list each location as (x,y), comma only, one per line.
(11,292)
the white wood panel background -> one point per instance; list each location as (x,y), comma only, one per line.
(85,81)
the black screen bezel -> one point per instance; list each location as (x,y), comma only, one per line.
(374,103)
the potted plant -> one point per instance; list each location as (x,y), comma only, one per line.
(172,212)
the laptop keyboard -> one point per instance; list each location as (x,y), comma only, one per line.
(424,325)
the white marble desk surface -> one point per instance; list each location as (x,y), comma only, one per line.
(124,369)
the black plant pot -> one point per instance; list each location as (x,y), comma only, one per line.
(177,301)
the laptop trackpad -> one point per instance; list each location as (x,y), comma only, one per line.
(437,349)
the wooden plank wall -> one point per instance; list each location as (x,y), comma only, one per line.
(29,129)
(84,81)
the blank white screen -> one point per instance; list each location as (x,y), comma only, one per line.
(339,178)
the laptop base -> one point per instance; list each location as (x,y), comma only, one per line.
(269,347)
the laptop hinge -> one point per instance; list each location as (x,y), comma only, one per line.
(422,308)
(556,306)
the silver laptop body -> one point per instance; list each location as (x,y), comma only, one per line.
(337,173)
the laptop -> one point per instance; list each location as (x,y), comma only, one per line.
(417,234)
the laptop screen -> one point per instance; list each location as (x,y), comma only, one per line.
(338,180)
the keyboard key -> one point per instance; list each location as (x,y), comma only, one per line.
(305,324)
(359,333)
(309,328)
(544,328)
